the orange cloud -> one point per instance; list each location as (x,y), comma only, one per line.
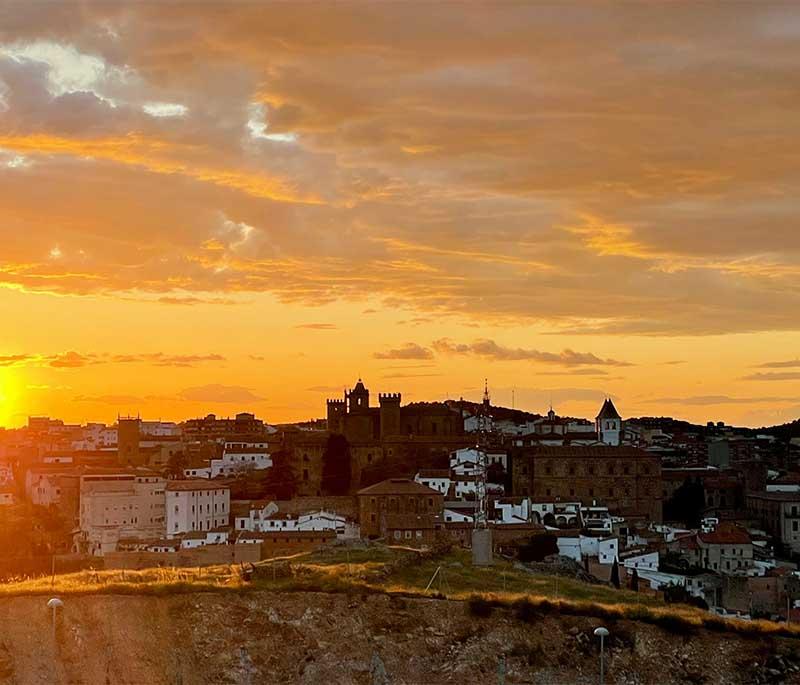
(151,154)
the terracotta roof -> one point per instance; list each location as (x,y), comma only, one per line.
(584,451)
(398,486)
(165,543)
(775,496)
(195,535)
(252,535)
(434,473)
(197,484)
(726,534)
(786,479)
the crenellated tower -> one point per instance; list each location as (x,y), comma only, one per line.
(390,414)
(336,412)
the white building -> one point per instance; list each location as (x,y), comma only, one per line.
(237,458)
(453,516)
(513,512)
(119,505)
(248,515)
(196,505)
(264,518)
(198,538)
(646,561)
(436,479)
(597,519)
(96,436)
(159,429)
(43,485)
(605,549)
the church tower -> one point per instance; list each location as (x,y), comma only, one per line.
(358,399)
(609,424)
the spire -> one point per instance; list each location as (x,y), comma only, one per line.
(486,392)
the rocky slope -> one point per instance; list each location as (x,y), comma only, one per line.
(262,637)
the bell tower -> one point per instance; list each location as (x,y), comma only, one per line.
(358,399)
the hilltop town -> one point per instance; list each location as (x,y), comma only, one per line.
(705,515)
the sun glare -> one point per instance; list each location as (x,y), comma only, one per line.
(8,396)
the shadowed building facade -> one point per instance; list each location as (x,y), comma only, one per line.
(354,418)
(390,436)
(625,479)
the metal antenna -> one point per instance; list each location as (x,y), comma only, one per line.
(481,496)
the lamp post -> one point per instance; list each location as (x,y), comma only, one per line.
(602,633)
(55,604)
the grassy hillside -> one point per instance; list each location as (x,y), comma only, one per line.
(403,572)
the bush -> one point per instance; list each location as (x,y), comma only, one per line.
(673,624)
(526,611)
(538,547)
(480,606)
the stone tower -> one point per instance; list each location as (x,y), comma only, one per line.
(128,431)
(390,414)
(336,411)
(358,399)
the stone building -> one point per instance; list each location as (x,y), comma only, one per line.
(779,514)
(354,418)
(114,506)
(398,504)
(196,505)
(728,549)
(386,440)
(625,479)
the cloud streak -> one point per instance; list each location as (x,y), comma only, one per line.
(407,351)
(489,349)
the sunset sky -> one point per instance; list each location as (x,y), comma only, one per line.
(216,207)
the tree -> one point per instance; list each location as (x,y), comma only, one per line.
(635,580)
(538,547)
(686,504)
(176,464)
(615,574)
(496,474)
(336,469)
(281,479)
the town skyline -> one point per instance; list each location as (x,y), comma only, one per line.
(262,211)
(333,394)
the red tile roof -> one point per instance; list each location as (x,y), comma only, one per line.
(583,451)
(726,534)
(398,486)
(197,484)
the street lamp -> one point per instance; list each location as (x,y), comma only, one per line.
(602,633)
(55,604)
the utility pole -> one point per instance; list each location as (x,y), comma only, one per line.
(482,534)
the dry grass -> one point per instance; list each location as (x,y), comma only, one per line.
(148,581)
(407,573)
